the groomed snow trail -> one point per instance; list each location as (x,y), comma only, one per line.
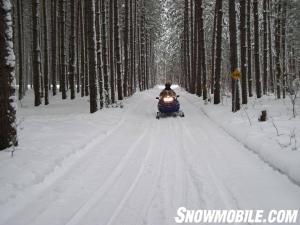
(146,168)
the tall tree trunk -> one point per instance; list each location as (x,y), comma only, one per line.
(111,51)
(187,44)
(213,48)
(117,50)
(82,50)
(36,58)
(20,48)
(249,44)
(131,52)
(54,46)
(283,44)
(256,49)
(143,46)
(86,56)
(99,59)
(217,84)
(46,57)
(198,62)
(78,46)
(243,31)
(126,53)
(91,34)
(233,55)
(72,63)
(63,72)
(193,48)
(278,49)
(202,48)
(271,70)
(104,53)
(8,129)
(265,47)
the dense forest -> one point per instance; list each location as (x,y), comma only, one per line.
(109,49)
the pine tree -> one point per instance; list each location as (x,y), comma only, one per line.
(46,56)
(256,50)
(8,130)
(54,45)
(117,50)
(92,60)
(243,51)
(63,72)
(265,48)
(99,52)
(217,81)
(104,53)
(20,48)
(36,57)
(111,51)
(233,55)
(72,62)
(249,52)
(126,47)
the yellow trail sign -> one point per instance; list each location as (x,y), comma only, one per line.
(236,74)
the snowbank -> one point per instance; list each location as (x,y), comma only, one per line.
(276,141)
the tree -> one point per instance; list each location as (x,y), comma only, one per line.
(256,50)
(243,48)
(104,53)
(72,62)
(126,47)
(117,51)
(217,82)
(132,75)
(8,130)
(36,57)
(54,45)
(193,48)
(143,47)
(82,51)
(92,60)
(99,59)
(271,73)
(202,54)
(63,72)
(187,44)
(283,44)
(46,56)
(265,48)
(278,49)
(213,49)
(233,55)
(20,48)
(249,53)
(111,51)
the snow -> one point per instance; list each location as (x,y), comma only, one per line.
(122,166)
(280,150)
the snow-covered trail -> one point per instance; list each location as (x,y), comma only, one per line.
(144,169)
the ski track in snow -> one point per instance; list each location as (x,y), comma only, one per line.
(144,169)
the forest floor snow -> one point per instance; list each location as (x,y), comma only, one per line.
(122,166)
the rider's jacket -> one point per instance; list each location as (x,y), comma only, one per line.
(168,92)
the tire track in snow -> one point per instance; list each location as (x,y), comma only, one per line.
(189,168)
(136,180)
(222,189)
(67,165)
(103,188)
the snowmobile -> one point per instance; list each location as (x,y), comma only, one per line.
(168,105)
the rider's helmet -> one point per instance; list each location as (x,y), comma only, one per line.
(168,85)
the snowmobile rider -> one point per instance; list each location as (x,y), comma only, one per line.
(167,91)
